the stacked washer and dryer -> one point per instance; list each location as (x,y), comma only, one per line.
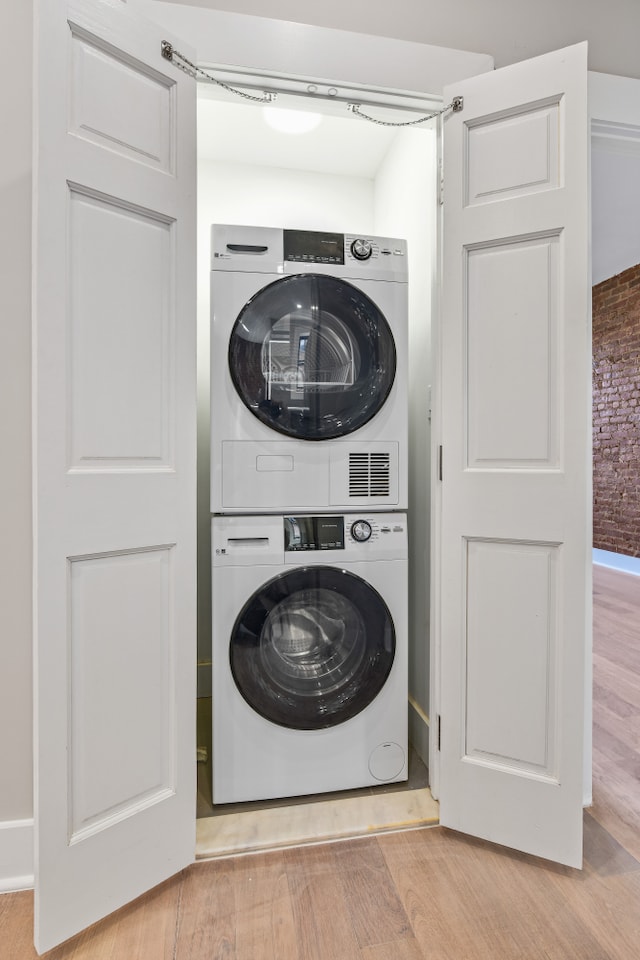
(308,487)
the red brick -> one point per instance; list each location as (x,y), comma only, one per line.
(616,417)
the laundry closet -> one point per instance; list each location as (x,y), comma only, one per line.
(347,175)
(115,477)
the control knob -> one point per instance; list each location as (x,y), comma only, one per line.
(361,531)
(361,249)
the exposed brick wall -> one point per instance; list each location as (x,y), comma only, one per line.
(616,413)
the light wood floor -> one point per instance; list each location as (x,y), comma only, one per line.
(419,895)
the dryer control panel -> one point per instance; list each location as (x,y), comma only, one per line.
(311,246)
(316,247)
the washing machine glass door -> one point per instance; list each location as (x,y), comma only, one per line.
(312,648)
(312,357)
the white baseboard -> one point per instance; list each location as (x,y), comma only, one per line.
(419,731)
(617,561)
(16,855)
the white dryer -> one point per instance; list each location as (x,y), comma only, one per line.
(308,371)
(309,654)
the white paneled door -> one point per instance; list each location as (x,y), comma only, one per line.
(515,534)
(114,410)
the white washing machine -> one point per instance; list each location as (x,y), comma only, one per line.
(309,654)
(308,371)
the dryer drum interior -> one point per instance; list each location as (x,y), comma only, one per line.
(312,357)
(312,648)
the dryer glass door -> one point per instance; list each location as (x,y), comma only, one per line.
(312,357)
(312,648)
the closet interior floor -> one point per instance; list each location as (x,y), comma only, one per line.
(269,824)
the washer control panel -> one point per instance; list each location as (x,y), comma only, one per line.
(351,536)
(361,249)
(361,530)
(381,251)
(376,529)
(307,539)
(313,533)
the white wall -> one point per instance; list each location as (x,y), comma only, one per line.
(615,206)
(614,108)
(405,192)
(15,407)
(270,197)
(508,30)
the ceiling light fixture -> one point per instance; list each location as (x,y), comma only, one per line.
(291,121)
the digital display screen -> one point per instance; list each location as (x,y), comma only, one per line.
(311,246)
(313,533)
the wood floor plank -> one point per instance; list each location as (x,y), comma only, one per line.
(16,926)
(377,914)
(547,921)
(440,900)
(419,848)
(443,925)
(398,950)
(608,675)
(616,739)
(265,928)
(603,854)
(322,920)
(145,929)
(207,913)
(616,805)
(483,902)
(612,700)
(615,586)
(606,901)
(610,746)
(608,816)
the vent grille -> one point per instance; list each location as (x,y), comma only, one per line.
(369,475)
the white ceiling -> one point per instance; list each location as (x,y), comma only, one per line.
(238,133)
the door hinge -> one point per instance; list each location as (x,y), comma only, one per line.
(440,183)
(439,731)
(440,462)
